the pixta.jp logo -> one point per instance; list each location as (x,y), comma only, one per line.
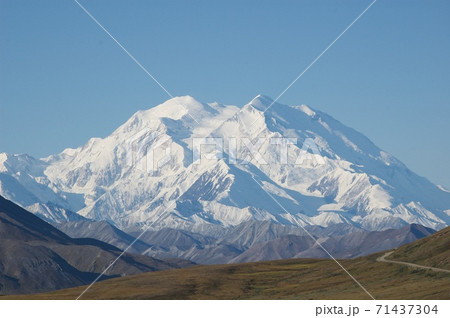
(245,150)
(148,151)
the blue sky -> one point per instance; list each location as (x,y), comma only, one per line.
(62,80)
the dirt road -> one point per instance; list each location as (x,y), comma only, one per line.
(383,259)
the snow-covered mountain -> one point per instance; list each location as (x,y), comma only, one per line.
(324,173)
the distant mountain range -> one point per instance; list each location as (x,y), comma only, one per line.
(349,181)
(251,241)
(36,257)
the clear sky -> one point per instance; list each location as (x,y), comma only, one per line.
(63,80)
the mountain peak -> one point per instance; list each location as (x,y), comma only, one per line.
(261,102)
(174,108)
(262,97)
(99,181)
(183,99)
(180,107)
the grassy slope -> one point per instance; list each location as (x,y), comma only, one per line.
(433,251)
(286,279)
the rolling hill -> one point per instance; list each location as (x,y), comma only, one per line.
(102,231)
(37,257)
(430,251)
